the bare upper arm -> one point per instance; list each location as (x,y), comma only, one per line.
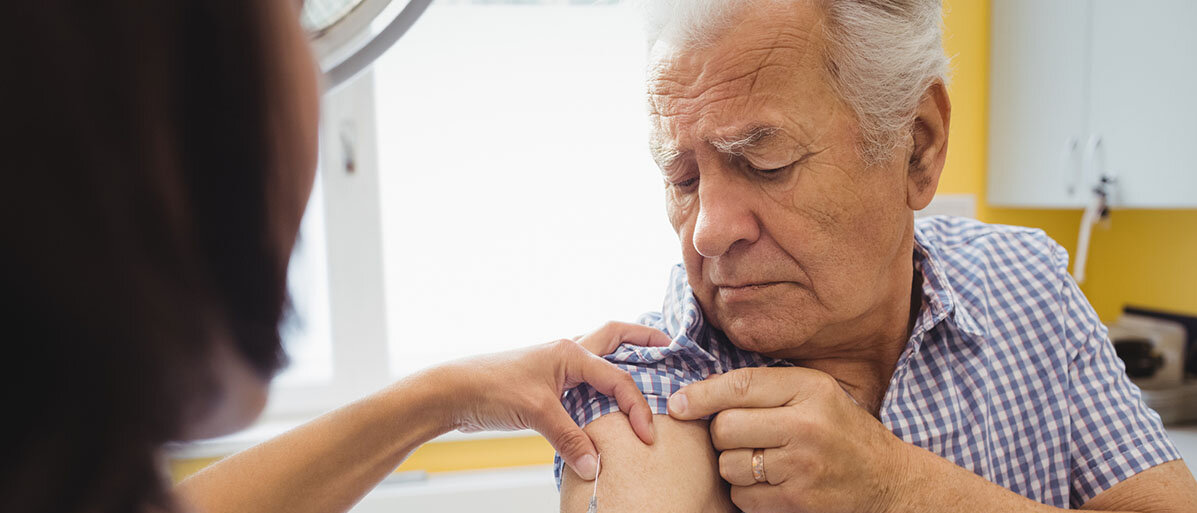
(1168,487)
(679,473)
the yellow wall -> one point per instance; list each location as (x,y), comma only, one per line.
(1146,257)
(439,456)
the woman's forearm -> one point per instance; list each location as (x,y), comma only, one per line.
(328,464)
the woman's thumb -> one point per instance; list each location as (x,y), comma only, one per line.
(572,444)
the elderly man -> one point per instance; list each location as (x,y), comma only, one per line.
(945,365)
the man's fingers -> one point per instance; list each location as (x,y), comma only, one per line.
(735,467)
(752,428)
(604,340)
(756,498)
(610,380)
(767,387)
(576,449)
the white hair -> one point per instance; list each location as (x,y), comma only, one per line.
(882,54)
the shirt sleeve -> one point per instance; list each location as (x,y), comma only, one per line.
(659,372)
(1114,434)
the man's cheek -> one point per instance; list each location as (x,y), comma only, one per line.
(682,220)
(678,208)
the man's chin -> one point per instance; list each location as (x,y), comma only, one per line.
(763,334)
(773,321)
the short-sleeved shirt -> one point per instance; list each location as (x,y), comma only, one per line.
(1008,371)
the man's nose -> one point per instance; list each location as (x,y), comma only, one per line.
(725,217)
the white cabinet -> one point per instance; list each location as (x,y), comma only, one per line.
(1081,89)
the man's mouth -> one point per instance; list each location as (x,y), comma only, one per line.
(744,292)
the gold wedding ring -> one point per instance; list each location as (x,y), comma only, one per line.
(758,466)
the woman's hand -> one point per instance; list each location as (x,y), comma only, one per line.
(328,464)
(522,389)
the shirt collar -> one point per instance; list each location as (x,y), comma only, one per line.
(940,300)
(682,314)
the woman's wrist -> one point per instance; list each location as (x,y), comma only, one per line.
(432,399)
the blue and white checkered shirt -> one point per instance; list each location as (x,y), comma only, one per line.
(1008,372)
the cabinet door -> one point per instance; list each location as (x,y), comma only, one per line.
(1038,102)
(1144,100)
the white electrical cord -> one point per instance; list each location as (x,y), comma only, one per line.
(1093,214)
(1098,207)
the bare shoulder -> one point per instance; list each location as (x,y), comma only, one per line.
(679,473)
(1163,488)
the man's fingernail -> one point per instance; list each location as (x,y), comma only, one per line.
(587,466)
(677,403)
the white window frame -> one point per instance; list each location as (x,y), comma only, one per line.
(353,233)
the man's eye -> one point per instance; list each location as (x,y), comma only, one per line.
(684,184)
(769,171)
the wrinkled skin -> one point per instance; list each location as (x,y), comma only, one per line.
(797,248)
(794,246)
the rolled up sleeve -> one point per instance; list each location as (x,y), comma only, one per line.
(659,372)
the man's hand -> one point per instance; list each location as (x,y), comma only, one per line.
(822,452)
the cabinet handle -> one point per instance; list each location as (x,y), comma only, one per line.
(1091,169)
(1102,181)
(1070,162)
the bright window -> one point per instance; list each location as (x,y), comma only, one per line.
(519,201)
(486,186)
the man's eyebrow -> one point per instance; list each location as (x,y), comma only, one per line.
(736,143)
(667,154)
(664,153)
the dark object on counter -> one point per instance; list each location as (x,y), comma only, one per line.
(1141,359)
(1188,321)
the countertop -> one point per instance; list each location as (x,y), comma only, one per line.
(1185,438)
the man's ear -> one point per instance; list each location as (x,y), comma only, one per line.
(930,149)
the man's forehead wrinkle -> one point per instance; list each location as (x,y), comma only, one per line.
(678,98)
(736,92)
(790,51)
(730,60)
(695,88)
(688,77)
(677,87)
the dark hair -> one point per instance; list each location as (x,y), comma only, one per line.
(140,213)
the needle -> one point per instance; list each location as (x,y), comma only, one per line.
(598,468)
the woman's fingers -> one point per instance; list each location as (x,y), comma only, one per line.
(576,449)
(582,365)
(610,380)
(604,340)
(615,382)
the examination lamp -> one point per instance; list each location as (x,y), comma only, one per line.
(348,35)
